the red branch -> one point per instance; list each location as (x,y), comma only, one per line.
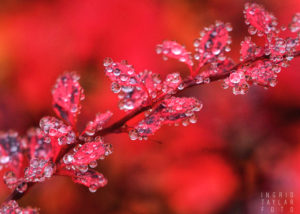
(118,126)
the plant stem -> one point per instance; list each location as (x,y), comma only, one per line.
(117,126)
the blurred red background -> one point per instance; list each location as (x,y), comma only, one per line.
(240,147)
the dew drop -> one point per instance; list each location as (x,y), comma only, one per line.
(107,61)
(133,134)
(252,30)
(21,188)
(176,50)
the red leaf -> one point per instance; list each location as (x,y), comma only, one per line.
(121,73)
(215,68)
(262,73)
(249,49)
(86,153)
(67,94)
(12,148)
(152,82)
(134,89)
(39,170)
(282,49)
(97,123)
(89,152)
(176,51)
(127,82)
(295,24)
(172,110)
(259,19)
(90,178)
(171,83)
(212,43)
(59,133)
(39,145)
(12,207)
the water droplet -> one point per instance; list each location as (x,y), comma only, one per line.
(115,87)
(93,188)
(21,188)
(197,43)
(235,78)
(176,50)
(107,61)
(93,164)
(133,134)
(252,30)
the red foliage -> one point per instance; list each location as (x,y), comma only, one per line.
(58,148)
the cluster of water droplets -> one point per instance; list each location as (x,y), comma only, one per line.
(295,24)
(138,89)
(250,50)
(215,68)
(57,130)
(39,145)
(11,180)
(67,95)
(174,110)
(39,170)
(263,73)
(12,207)
(275,55)
(281,50)
(92,179)
(171,83)
(84,155)
(126,83)
(213,42)
(174,50)
(260,21)
(152,83)
(237,81)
